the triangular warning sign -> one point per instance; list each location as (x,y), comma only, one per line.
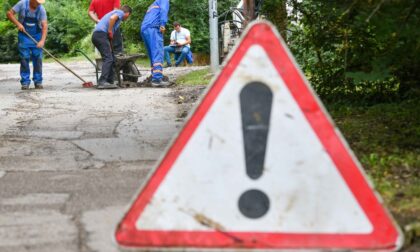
(259,165)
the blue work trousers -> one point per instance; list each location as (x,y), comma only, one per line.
(153,40)
(28,53)
(179,57)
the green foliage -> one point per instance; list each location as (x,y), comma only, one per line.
(357,49)
(7,4)
(276,12)
(8,38)
(8,42)
(69,26)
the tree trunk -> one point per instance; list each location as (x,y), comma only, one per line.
(275,11)
(249,10)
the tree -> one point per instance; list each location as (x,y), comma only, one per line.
(357,48)
(276,12)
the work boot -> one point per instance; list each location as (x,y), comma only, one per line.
(160,83)
(106,85)
(113,85)
(168,65)
(39,86)
(25,87)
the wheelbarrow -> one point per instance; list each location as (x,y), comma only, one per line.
(124,66)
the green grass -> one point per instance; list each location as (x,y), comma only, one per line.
(143,62)
(199,77)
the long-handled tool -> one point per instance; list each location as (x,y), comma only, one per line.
(86,84)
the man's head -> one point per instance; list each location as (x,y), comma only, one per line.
(177,26)
(35,3)
(127,11)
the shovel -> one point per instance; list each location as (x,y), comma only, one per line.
(85,84)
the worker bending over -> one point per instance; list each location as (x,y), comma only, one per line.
(98,9)
(102,39)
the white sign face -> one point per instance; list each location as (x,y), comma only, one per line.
(259,165)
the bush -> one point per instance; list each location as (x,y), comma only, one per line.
(357,49)
(8,42)
(8,39)
(69,26)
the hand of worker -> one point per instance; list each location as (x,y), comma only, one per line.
(40,44)
(20,27)
(110,35)
(162,29)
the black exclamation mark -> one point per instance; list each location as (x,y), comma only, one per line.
(256,100)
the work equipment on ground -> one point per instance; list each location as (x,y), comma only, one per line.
(124,66)
(86,84)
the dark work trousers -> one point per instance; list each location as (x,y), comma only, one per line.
(117,41)
(101,42)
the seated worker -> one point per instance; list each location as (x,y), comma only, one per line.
(102,39)
(180,44)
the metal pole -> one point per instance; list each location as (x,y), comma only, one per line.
(214,36)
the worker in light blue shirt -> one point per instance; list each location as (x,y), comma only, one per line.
(33,20)
(152,29)
(102,39)
(103,24)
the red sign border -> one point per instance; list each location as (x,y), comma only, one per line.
(385,234)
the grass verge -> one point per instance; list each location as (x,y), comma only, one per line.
(199,77)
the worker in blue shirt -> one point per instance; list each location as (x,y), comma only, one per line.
(152,29)
(33,20)
(102,39)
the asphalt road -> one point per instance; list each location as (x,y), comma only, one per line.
(71,159)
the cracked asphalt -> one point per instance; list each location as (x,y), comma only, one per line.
(71,159)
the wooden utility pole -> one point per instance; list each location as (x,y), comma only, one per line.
(249,10)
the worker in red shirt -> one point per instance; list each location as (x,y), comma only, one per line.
(98,9)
